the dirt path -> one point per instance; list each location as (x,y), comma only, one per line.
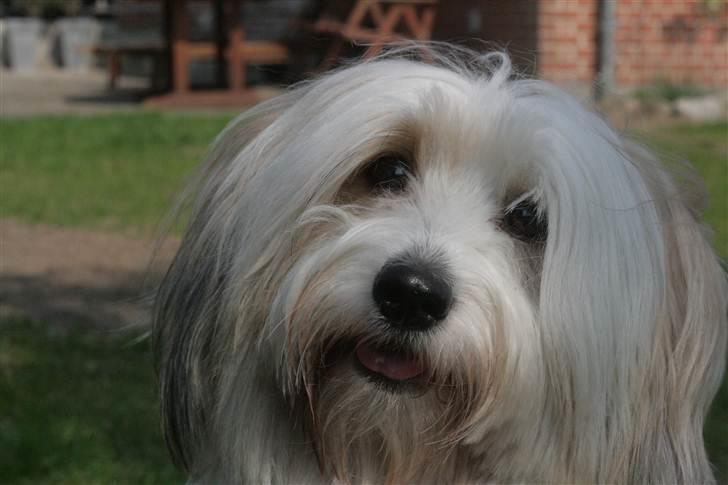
(77,276)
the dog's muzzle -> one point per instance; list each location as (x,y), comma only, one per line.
(411,297)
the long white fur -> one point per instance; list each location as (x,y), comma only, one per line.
(593,359)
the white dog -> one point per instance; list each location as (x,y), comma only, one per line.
(409,272)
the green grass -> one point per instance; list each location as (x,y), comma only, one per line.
(115,171)
(78,407)
(705,145)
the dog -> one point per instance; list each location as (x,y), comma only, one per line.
(438,272)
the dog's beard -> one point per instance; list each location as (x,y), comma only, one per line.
(361,427)
(366,425)
(379,402)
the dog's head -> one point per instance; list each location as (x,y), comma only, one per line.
(404,271)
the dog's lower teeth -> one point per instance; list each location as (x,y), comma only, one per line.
(393,365)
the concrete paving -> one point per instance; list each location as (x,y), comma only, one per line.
(55,91)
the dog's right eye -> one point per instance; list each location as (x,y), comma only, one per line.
(390,173)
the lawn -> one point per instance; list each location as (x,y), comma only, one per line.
(706,147)
(116,171)
(78,406)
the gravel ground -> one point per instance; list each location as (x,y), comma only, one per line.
(68,276)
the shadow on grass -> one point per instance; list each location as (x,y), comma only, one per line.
(117,301)
(79,406)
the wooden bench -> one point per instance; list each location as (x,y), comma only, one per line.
(227,44)
(186,41)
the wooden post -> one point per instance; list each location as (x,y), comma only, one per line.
(236,76)
(114,69)
(220,42)
(179,46)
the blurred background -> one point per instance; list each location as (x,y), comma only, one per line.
(107,105)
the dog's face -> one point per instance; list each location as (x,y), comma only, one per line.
(406,272)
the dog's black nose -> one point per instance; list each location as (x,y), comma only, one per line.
(412,296)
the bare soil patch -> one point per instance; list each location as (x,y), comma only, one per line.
(71,276)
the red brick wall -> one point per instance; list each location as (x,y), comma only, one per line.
(567,41)
(678,40)
(681,41)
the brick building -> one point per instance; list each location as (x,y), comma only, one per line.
(571,42)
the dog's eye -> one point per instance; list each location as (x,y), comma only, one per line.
(525,223)
(389,173)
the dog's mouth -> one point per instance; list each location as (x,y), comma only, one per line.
(392,364)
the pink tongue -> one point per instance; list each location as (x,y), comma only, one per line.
(394,366)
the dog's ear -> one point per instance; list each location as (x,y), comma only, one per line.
(193,314)
(690,352)
(696,333)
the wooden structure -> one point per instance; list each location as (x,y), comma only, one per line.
(376,23)
(370,22)
(230,49)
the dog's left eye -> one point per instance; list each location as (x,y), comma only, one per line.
(389,173)
(525,223)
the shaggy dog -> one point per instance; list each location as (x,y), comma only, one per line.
(435,272)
